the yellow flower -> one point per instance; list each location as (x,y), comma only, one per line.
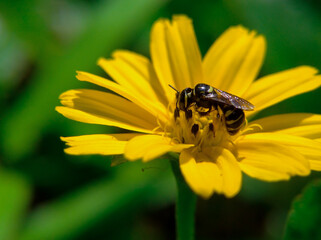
(211,159)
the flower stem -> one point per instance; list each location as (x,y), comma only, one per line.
(185,206)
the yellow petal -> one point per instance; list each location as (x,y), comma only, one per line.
(298,124)
(234,60)
(270,161)
(310,149)
(175,54)
(97,144)
(98,107)
(185,28)
(135,73)
(230,170)
(277,87)
(149,147)
(316,163)
(203,177)
(213,170)
(155,108)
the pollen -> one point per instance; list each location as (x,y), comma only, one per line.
(202,130)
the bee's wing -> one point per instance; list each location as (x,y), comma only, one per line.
(233,100)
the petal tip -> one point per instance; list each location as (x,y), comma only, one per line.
(64,139)
(181,17)
(130,157)
(59,109)
(205,195)
(101,61)
(80,75)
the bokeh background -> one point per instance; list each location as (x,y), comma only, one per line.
(45,194)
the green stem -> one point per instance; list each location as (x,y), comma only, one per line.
(185,206)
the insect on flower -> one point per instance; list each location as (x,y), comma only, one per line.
(205,98)
(211,128)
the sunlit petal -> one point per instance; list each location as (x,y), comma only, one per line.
(111,144)
(203,177)
(277,87)
(149,147)
(155,108)
(175,53)
(310,149)
(269,161)
(135,73)
(230,170)
(98,107)
(234,60)
(213,170)
(298,124)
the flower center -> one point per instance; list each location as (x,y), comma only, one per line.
(201,128)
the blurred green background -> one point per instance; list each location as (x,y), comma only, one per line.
(45,194)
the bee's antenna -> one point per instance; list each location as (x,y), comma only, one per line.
(173,88)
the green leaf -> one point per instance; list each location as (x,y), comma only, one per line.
(305,216)
(22,17)
(112,25)
(130,191)
(14,199)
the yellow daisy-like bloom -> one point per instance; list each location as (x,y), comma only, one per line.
(211,160)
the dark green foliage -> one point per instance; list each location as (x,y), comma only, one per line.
(305,215)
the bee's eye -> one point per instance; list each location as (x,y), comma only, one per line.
(188,90)
(201,89)
(185,99)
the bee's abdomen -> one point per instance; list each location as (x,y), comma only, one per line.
(234,119)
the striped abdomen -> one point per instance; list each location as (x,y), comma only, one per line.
(234,118)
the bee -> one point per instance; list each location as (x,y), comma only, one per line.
(206,98)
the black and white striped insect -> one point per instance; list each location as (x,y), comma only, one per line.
(206,98)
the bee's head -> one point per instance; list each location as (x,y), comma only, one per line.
(185,99)
(202,89)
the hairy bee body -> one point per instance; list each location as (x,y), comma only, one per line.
(206,98)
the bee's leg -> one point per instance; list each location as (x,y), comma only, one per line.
(195,129)
(211,128)
(188,114)
(209,110)
(176,113)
